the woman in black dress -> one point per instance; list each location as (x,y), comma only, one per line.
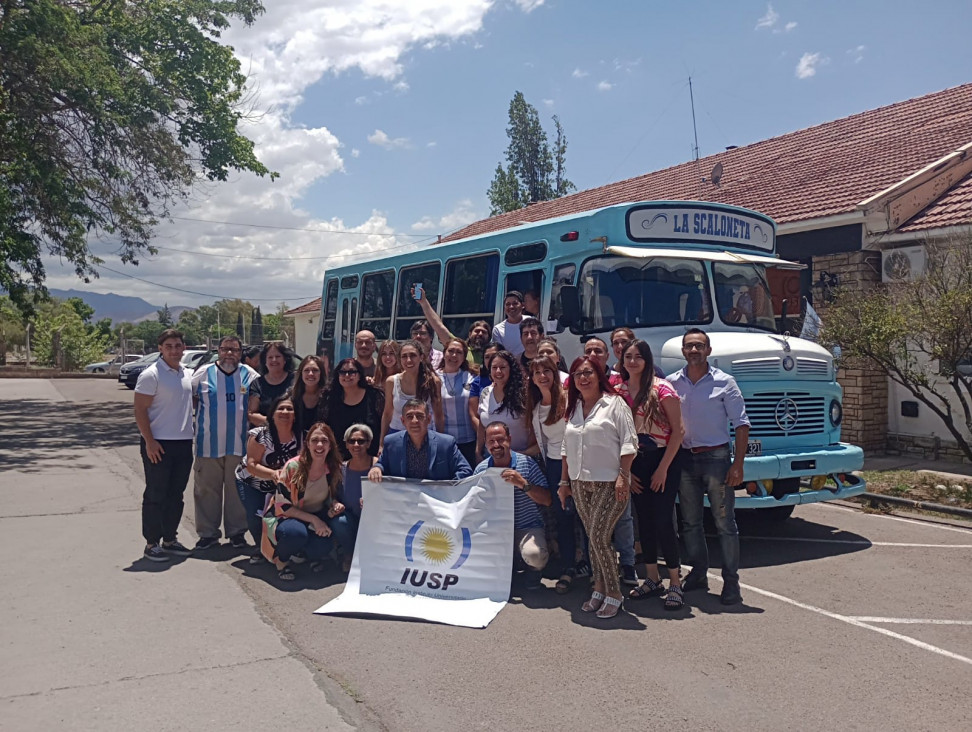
(349,400)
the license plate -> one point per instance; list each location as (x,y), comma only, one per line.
(755,447)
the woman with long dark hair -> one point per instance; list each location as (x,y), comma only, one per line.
(461,419)
(416,381)
(657,414)
(599,444)
(349,400)
(277,375)
(388,363)
(308,387)
(504,400)
(546,404)
(268,448)
(305,510)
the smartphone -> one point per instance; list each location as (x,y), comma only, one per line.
(417,291)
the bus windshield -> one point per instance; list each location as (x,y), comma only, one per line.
(743,295)
(625,291)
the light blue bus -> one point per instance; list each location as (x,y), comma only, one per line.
(659,268)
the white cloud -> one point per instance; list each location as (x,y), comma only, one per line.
(790,26)
(361,100)
(462,214)
(290,48)
(578,74)
(769,20)
(528,6)
(809,63)
(431,144)
(604,86)
(857,53)
(548,102)
(381,139)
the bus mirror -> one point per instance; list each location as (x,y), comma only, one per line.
(569,306)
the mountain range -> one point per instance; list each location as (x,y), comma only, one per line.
(120,308)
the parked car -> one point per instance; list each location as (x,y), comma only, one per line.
(128,374)
(111,367)
(192,358)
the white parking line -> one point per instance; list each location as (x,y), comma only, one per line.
(909,621)
(855,542)
(853,621)
(895,518)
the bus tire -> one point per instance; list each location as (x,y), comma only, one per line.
(777,514)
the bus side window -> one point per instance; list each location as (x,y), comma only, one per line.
(563,274)
(409,311)
(469,293)
(325,339)
(377,296)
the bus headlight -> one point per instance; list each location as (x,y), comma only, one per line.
(836,413)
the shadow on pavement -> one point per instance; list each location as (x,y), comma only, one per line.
(59,427)
(770,544)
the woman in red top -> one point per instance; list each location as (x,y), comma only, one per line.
(656,470)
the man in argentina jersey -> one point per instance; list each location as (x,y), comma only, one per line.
(220,393)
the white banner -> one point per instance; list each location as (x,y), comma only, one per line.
(432,550)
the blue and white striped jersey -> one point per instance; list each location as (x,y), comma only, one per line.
(221,422)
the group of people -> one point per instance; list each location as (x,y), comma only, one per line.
(280,452)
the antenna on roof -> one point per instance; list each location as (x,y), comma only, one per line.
(694,129)
(716,175)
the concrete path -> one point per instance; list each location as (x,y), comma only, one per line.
(92,636)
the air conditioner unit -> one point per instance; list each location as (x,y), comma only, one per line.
(902,265)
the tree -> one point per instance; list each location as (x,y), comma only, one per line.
(240,331)
(256,328)
(917,333)
(191,327)
(530,173)
(84,311)
(109,112)
(164,316)
(61,338)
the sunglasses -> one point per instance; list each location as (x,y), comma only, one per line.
(347,372)
(357,441)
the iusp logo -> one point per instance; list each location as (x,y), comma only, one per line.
(434,545)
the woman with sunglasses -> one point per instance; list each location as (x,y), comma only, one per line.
(388,363)
(357,440)
(349,400)
(307,394)
(599,445)
(416,381)
(657,468)
(461,419)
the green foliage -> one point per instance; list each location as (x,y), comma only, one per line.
(84,311)
(533,173)
(58,325)
(103,328)
(191,327)
(12,332)
(109,112)
(918,333)
(164,316)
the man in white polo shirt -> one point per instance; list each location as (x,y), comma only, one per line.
(163,413)
(219,391)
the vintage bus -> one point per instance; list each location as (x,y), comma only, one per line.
(659,268)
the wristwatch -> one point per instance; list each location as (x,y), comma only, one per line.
(527,488)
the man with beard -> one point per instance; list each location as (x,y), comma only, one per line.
(476,340)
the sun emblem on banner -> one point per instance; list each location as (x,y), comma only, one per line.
(436,546)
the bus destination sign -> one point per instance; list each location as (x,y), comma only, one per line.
(702,225)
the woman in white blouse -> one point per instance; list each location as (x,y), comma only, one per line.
(504,400)
(600,442)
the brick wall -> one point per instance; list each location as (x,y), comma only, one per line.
(865,388)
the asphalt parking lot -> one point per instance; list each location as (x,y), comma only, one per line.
(851,620)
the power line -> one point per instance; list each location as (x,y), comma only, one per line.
(286,259)
(291,228)
(203,294)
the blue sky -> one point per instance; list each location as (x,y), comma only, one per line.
(386,119)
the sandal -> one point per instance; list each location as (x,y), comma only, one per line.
(673,599)
(563,584)
(286,574)
(594,603)
(611,607)
(649,588)
(317,565)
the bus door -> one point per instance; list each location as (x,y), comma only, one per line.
(524,278)
(348,319)
(326,335)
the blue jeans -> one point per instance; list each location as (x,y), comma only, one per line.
(253,502)
(704,474)
(624,537)
(295,537)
